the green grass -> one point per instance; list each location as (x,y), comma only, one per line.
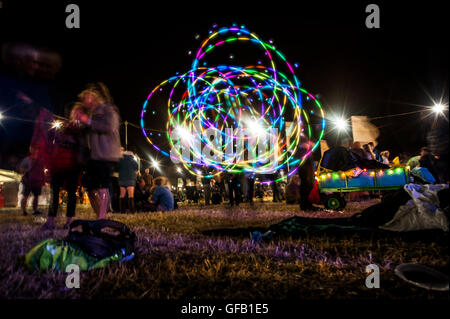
(175,260)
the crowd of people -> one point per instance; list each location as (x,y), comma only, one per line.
(85,153)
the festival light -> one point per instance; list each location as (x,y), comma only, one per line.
(155,164)
(438,108)
(57,125)
(179,170)
(340,124)
(254,97)
(1,116)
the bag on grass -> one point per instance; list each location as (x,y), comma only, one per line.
(89,244)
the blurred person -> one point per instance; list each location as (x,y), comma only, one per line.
(369,154)
(293,190)
(306,173)
(65,169)
(102,132)
(437,140)
(206,185)
(142,196)
(385,157)
(148,178)
(428,161)
(33,179)
(375,152)
(358,150)
(250,187)
(162,197)
(127,168)
(234,192)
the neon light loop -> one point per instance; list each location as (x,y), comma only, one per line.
(230,96)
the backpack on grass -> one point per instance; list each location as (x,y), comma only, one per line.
(90,244)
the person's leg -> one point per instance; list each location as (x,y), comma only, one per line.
(306,174)
(110,189)
(274,192)
(131,204)
(207,194)
(36,194)
(72,184)
(230,194)
(94,199)
(103,202)
(54,202)
(105,179)
(122,199)
(23,204)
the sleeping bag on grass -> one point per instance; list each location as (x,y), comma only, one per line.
(89,244)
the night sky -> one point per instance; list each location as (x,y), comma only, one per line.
(132,46)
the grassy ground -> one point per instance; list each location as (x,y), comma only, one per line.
(175,260)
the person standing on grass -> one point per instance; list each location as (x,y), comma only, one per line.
(33,179)
(306,175)
(102,131)
(127,168)
(65,169)
(148,178)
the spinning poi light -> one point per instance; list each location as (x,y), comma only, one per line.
(233,118)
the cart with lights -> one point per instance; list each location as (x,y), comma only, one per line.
(332,184)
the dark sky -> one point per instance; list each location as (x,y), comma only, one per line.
(132,46)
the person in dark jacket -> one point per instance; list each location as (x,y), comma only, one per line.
(127,168)
(102,132)
(428,161)
(293,190)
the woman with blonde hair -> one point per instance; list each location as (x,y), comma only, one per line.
(102,133)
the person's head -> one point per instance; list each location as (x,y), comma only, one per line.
(160,181)
(385,154)
(345,141)
(371,145)
(147,171)
(95,94)
(122,149)
(424,151)
(356,145)
(141,183)
(78,107)
(366,147)
(295,180)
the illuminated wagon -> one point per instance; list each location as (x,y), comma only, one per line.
(333,184)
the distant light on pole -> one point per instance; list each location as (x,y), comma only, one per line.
(340,124)
(155,164)
(179,170)
(1,116)
(438,108)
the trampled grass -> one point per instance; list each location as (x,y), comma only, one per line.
(175,260)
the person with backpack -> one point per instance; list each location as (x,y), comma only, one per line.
(32,168)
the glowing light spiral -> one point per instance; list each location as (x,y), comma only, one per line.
(236,113)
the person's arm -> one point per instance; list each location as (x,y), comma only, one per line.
(104,123)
